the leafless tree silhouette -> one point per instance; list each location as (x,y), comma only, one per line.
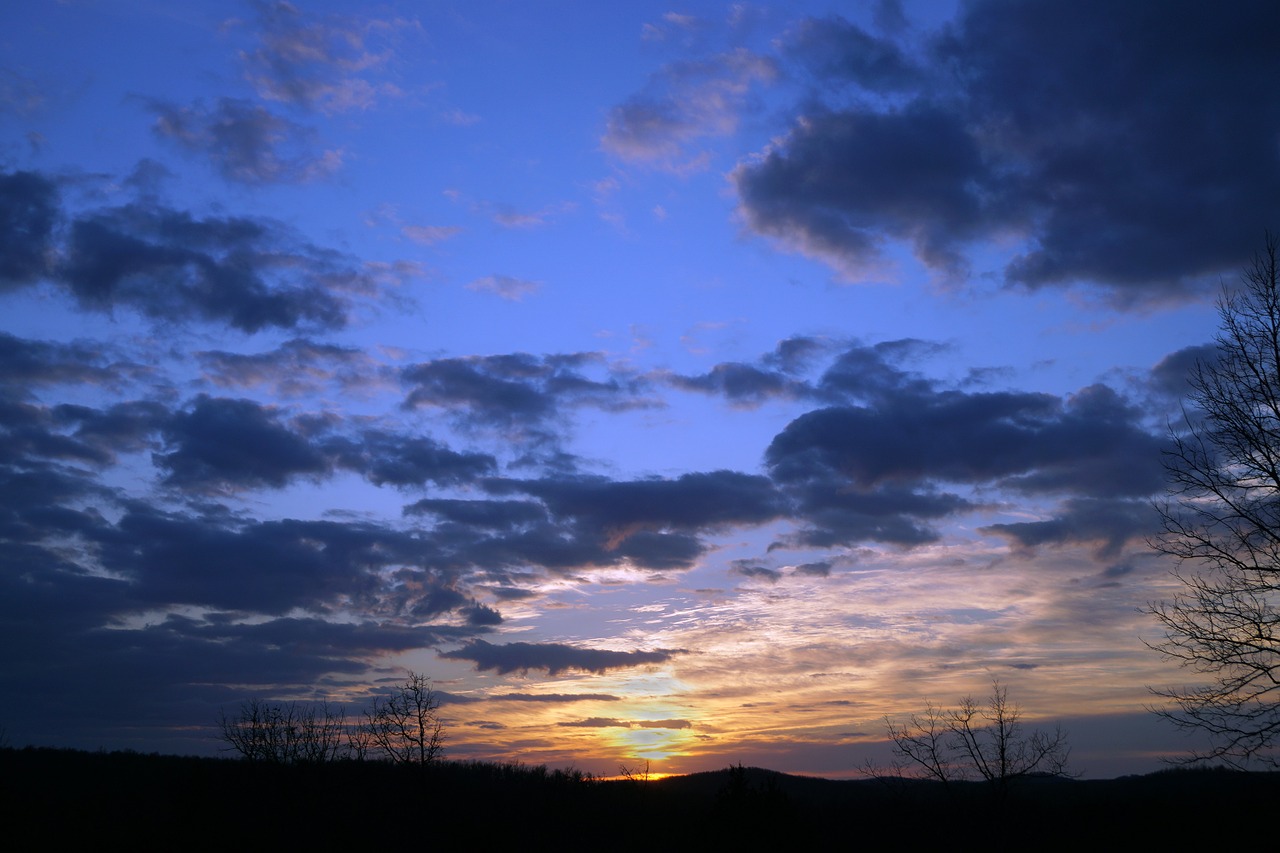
(406,724)
(977,741)
(1221,521)
(284,733)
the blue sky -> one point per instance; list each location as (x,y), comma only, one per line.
(696,383)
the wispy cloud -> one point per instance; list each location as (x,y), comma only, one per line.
(429,235)
(509,288)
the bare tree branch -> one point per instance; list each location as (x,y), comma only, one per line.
(405,725)
(979,742)
(1221,521)
(284,733)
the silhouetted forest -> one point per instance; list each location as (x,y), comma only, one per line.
(169,802)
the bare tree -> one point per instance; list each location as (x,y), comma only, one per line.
(284,733)
(1222,522)
(976,741)
(406,725)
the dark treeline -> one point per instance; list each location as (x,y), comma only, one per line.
(170,802)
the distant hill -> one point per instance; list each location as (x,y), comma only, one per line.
(171,802)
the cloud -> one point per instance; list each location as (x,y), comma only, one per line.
(324,64)
(429,235)
(555,697)
(682,104)
(555,658)
(246,143)
(754,572)
(818,569)
(610,723)
(510,289)
(662,724)
(20,94)
(459,118)
(388,458)
(509,217)
(742,384)
(297,367)
(251,274)
(842,184)
(1171,376)
(690,501)
(1028,120)
(597,723)
(499,535)
(519,389)
(28,363)
(879,466)
(912,430)
(675,26)
(648,518)
(220,443)
(120,428)
(841,53)
(30,433)
(269,567)
(1107,524)
(28,212)
(484,514)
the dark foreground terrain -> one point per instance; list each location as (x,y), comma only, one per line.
(174,803)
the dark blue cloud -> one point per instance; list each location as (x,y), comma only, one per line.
(894,461)
(245,142)
(28,212)
(222,442)
(1113,135)
(553,657)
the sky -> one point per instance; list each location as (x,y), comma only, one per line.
(688,383)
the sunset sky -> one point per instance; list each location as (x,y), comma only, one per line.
(693,383)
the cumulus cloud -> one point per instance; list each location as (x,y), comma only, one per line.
(695,501)
(880,466)
(519,389)
(220,442)
(264,567)
(1171,377)
(169,265)
(1031,120)
(251,273)
(842,184)
(399,460)
(555,658)
(498,536)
